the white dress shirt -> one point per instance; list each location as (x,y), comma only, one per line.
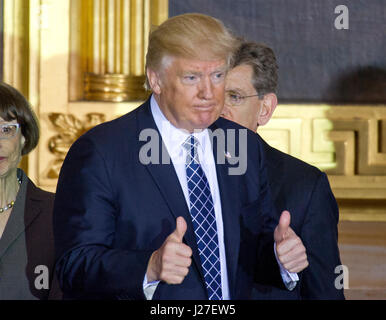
(173,139)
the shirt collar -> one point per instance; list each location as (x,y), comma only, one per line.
(172,136)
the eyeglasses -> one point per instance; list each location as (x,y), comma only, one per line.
(8,131)
(235,99)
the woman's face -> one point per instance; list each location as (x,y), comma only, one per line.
(10,150)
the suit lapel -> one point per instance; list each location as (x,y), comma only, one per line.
(165,177)
(228,186)
(23,214)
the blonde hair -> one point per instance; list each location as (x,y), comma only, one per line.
(192,36)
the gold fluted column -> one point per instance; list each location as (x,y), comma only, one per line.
(15,49)
(16,31)
(116,33)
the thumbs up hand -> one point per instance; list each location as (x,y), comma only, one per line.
(283,228)
(179,233)
(289,247)
(170,263)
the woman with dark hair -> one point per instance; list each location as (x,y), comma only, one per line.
(26,238)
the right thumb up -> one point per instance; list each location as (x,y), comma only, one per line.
(181,227)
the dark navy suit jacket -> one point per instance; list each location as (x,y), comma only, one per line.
(305,191)
(112,212)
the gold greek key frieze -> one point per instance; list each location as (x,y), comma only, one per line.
(69,129)
(347,142)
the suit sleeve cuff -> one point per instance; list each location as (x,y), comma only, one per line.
(149,288)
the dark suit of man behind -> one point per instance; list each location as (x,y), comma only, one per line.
(304,190)
(296,186)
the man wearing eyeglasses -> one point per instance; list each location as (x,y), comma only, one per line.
(250,100)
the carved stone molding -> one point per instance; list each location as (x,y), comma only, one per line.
(69,129)
(114,87)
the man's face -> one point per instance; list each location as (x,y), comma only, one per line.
(189,92)
(239,82)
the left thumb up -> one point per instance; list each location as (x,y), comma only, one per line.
(281,229)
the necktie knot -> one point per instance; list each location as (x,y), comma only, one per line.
(190,145)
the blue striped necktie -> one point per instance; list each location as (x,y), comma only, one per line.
(204,220)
